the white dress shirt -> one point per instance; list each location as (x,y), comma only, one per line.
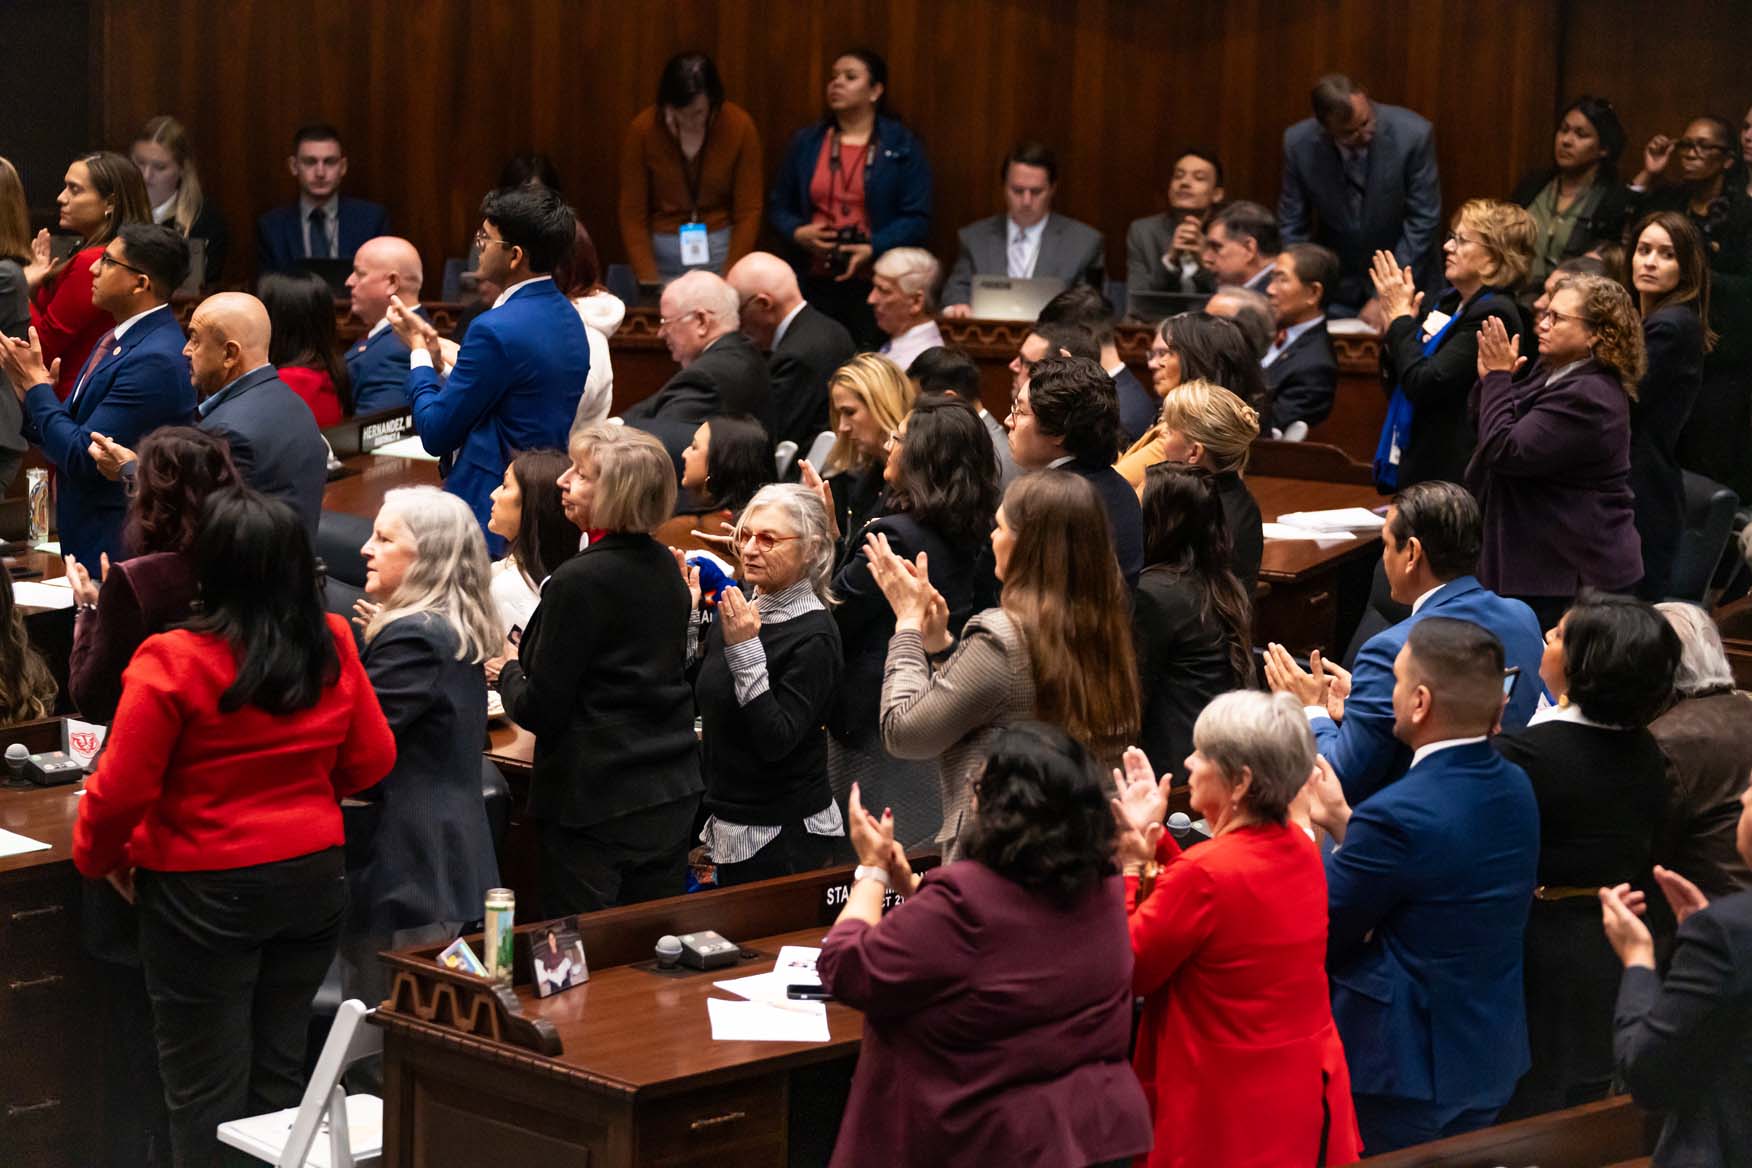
(915,340)
(785,325)
(164,210)
(1430,748)
(1022,256)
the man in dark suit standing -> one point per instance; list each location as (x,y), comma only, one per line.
(1300,368)
(377,363)
(1361,178)
(135,380)
(1241,246)
(1029,240)
(1085,306)
(323,224)
(804,345)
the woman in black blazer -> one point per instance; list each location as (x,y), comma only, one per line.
(167,162)
(600,679)
(1432,361)
(1577,201)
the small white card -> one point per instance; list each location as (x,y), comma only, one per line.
(694,248)
(767,1021)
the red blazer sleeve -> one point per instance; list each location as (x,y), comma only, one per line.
(130,778)
(369,751)
(1169,925)
(62,314)
(921,949)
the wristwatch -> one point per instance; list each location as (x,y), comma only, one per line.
(872,872)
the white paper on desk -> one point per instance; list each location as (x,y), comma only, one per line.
(36,594)
(52,546)
(795,966)
(1339,519)
(768,1022)
(1350,326)
(1306,534)
(408,447)
(12,844)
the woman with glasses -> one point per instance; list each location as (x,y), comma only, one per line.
(1552,469)
(1701,175)
(763,680)
(1578,200)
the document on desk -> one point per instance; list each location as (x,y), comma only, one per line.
(1286,531)
(12,844)
(795,966)
(768,1021)
(1340,519)
(37,594)
(409,447)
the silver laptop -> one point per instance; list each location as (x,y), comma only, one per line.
(1001,298)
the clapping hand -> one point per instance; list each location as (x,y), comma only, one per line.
(364,611)
(1621,910)
(109,455)
(858,256)
(813,480)
(1683,897)
(737,615)
(690,575)
(84,591)
(872,838)
(1498,352)
(1139,807)
(42,260)
(816,237)
(724,540)
(414,332)
(23,362)
(1395,288)
(1327,807)
(1310,687)
(917,605)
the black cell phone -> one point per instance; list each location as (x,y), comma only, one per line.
(808,993)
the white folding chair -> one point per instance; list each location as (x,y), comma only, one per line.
(818,449)
(783,455)
(354,1123)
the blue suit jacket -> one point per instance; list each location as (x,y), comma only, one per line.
(897,186)
(1362,748)
(280,232)
(515,386)
(1428,902)
(274,440)
(143,387)
(377,367)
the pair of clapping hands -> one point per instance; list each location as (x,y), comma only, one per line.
(1622,908)
(738,616)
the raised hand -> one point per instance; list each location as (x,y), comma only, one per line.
(1141,797)
(907,586)
(42,260)
(1682,895)
(1656,155)
(1629,937)
(737,615)
(812,479)
(1498,352)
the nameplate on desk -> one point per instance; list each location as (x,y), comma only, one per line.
(834,896)
(375,434)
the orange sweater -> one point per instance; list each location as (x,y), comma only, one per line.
(653,185)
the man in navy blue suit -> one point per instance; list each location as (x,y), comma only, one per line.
(518,377)
(135,380)
(377,363)
(1428,891)
(1084,305)
(1429,548)
(323,224)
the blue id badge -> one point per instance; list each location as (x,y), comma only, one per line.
(694,249)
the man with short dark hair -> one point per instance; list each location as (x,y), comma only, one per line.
(945,370)
(1428,891)
(804,344)
(1086,306)
(1029,240)
(1162,251)
(135,380)
(1429,550)
(323,224)
(1241,245)
(1050,340)
(1300,368)
(1066,415)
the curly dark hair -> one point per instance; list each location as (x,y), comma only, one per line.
(179,466)
(739,460)
(1074,399)
(1620,657)
(1042,817)
(948,473)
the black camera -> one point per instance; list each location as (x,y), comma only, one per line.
(839,260)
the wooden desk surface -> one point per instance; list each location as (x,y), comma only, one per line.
(1292,559)
(42,813)
(361,493)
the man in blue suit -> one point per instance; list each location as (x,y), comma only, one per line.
(1428,891)
(135,380)
(377,363)
(521,370)
(1429,549)
(323,224)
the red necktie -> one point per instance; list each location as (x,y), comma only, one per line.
(1282,336)
(98,352)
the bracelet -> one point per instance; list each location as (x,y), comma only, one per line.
(872,872)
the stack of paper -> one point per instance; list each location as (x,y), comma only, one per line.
(43,594)
(409,447)
(1341,519)
(1322,538)
(766,1014)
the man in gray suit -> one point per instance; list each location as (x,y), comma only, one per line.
(1028,240)
(1361,178)
(1241,247)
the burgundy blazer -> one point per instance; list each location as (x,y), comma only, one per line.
(142,596)
(1552,474)
(995,1027)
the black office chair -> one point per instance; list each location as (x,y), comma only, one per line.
(1709,522)
(496,793)
(339,537)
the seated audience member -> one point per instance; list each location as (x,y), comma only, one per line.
(27,688)
(1578,200)
(522,366)
(579,277)
(1706,736)
(1250,311)
(1057,646)
(1191,621)
(1428,891)
(137,381)
(769,667)
(1067,416)
(1679,1044)
(950,370)
(538,536)
(803,344)
(1300,368)
(1201,346)
(1705,186)
(1229,950)
(384,268)
(1029,240)
(1162,251)
(599,679)
(870,396)
(1205,425)
(1360,178)
(721,370)
(1601,785)
(1241,246)
(690,158)
(1669,272)
(1429,552)
(428,859)
(1552,469)
(728,460)
(236,869)
(1084,305)
(942,492)
(301,313)
(166,162)
(154,588)
(902,297)
(323,224)
(1035,895)
(1430,364)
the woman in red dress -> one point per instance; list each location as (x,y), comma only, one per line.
(301,306)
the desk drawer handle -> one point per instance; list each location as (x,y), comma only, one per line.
(13,1110)
(716,1121)
(31,914)
(1318,599)
(35,983)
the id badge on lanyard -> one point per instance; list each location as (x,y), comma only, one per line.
(694,248)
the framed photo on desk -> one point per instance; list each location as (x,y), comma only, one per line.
(556,957)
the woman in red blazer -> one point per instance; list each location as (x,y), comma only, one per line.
(1236,1048)
(218,814)
(301,307)
(101,192)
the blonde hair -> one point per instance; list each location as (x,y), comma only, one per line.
(1618,335)
(635,477)
(449,577)
(1214,418)
(1506,232)
(14,216)
(169,133)
(882,388)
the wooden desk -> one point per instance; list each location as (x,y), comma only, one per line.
(371,477)
(1613,1133)
(1317,593)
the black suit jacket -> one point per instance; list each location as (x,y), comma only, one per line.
(1673,337)
(1125,518)
(1138,407)
(1303,379)
(806,356)
(1246,530)
(274,440)
(730,377)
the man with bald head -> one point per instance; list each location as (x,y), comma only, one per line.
(377,364)
(803,345)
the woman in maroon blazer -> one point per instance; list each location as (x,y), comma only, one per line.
(997,998)
(1552,470)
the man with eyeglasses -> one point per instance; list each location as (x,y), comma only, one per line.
(1241,246)
(135,380)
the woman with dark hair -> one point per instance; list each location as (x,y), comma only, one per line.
(538,537)
(1021,942)
(27,689)
(237,870)
(1709,187)
(14,254)
(301,308)
(691,174)
(100,192)
(729,458)
(580,277)
(1197,346)
(1578,200)
(166,160)
(1191,620)
(532,166)
(852,185)
(1601,783)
